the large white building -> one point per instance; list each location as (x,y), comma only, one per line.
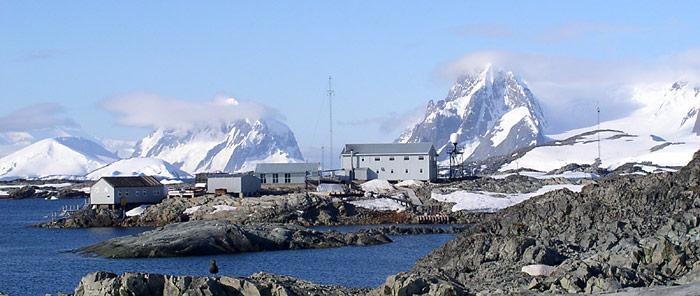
(115,191)
(393,162)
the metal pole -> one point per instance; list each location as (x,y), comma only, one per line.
(330,107)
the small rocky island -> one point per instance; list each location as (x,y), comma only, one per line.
(223,237)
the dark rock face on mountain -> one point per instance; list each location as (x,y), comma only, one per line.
(260,284)
(222,237)
(493,112)
(623,232)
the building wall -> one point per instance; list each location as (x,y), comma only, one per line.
(397,169)
(294,178)
(101,193)
(140,195)
(248,185)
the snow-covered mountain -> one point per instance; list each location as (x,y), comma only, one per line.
(493,111)
(663,131)
(139,166)
(229,147)
(57,157)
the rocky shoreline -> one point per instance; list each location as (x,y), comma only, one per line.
(260,284)
(223,237)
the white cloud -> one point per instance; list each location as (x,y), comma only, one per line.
(153,111)
(392,122)
(36,117)
(569,88)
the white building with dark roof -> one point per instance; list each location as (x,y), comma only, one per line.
(115,191)
(393,162)
(287,173)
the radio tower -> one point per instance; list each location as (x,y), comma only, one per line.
(598,111)
(330,108)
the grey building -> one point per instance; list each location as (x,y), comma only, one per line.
(287,173)
(393,162)
(245,184)
(115,191)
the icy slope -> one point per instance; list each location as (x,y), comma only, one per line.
(662,132)
(60,157)
(493,111)
(139,166)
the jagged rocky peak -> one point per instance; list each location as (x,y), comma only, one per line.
(230,146)
(493,111)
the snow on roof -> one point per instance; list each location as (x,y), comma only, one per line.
(388,148)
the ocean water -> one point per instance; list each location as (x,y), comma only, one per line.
(34,261)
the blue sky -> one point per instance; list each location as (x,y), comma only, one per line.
(388,58)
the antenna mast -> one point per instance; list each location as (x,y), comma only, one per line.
(598,111)
(330,108)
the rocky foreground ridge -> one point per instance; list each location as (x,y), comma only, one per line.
(623,232)
(197,238)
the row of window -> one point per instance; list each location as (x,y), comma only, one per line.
(275,178)
(392,171)
(137,192)
(391,158)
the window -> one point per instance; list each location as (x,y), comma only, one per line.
(391,158)
(138,193)
(287,178)
(421,157)
(377,159)
(145,192)
(392,171)
(263,179)
(406,171)
(421,171)
(406,158)
(275,178)
(363,159)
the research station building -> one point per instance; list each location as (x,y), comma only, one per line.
(287,173)
(240,184)
(392,162)
(117,191)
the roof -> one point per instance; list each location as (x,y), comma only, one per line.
(392,148)
(136,181)
(293,167)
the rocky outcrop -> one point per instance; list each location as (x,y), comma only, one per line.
(223,237)
(296,208)
(259,284)
(621,233)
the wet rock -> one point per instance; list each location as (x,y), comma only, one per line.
(222,237)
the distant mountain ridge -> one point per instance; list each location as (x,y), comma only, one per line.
(663,131)
(493,111)
(228,147)
(61,157)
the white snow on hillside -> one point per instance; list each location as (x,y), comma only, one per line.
(663,132)
(139,166)
(62,156)
(229,147)
(483,201)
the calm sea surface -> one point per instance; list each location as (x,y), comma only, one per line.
(34,261)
